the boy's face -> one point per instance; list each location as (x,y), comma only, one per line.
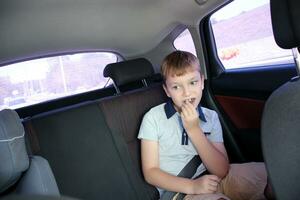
(187,87)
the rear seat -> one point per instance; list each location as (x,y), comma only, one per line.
(124,113)
(92,147)
(83,155)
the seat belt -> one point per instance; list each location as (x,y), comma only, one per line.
(187,172)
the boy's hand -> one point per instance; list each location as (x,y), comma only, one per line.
(206,184)
(189,116)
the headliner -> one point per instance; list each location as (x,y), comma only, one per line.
(33,28)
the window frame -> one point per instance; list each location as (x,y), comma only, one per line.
(214,57)
(177,37)
(65,98)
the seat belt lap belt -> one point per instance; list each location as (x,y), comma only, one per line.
(187,172)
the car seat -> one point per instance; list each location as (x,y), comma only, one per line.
(281,116)
(19,172)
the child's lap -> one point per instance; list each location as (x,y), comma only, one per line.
(245,181)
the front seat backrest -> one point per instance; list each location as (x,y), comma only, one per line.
(27,175)
(13,158)
(281,117)
(281,140)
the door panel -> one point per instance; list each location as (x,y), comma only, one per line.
(241,95)
(245,113)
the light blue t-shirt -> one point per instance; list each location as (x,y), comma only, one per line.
(163,124)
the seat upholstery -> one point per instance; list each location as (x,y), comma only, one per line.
(28,175)
(92,147)
(125,112)
(36,197)
(281,139)
(123,115)
(84,154)
(38,179)
(13,158)
(281,116)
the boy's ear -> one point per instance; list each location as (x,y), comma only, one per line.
(202,82)
(166,90)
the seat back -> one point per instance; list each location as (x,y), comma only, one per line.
(281,116)
(124,113)
(84,154)
(92,147)
(281,139)
(18,172)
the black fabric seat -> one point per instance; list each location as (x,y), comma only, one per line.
(20,173)
(36,197)
(93,147)
(83,153)
(123,115)
(125,112)
(281,117)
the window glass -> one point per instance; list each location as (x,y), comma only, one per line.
(39,80)
(185,42)
(244,37)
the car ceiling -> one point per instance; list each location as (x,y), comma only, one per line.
(34,28)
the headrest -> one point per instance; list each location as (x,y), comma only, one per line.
(13,157)
(285,21)
(128,71)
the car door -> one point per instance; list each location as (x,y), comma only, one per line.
(244,67)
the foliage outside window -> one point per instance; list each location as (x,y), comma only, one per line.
(244,37)
(39,80)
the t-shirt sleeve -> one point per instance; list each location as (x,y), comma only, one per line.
(148,129)
(216,134)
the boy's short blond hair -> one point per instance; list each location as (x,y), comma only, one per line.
(178,63)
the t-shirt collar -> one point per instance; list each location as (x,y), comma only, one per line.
(170,110)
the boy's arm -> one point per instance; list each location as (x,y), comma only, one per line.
(213,155)
(155,176)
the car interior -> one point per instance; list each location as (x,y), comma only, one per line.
(84,145)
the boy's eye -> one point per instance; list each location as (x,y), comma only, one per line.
(194,82)
(175,87)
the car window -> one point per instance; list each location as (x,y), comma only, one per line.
(39,80)
(244,37)
(185,42)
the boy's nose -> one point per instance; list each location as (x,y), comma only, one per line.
(186,91)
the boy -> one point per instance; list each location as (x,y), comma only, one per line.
(174,132)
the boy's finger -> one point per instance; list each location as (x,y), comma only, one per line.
(189,108)
(214,178)
(212,189)
(213,183)
(184,112)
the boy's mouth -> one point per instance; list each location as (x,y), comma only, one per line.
(191,100)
